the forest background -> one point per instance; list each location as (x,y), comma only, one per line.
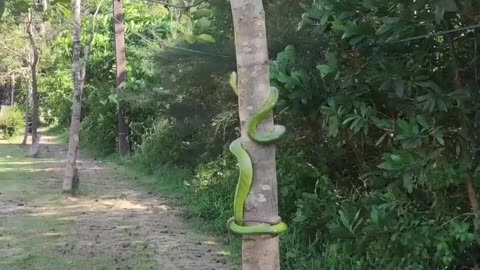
(380,168)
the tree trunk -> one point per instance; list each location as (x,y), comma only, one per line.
(34,67)
(44,5)
(12,90)
(27,110)
(121,79)
(71,178)
(78,80)
(258,252)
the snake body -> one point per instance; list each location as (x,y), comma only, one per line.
(245,179)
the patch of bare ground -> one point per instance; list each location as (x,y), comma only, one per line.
(112,224)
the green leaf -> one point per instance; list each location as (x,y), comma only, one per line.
(232,80)
(421,121)
(439,12)
(407,183)
(344,219)
(331,103)
(348,119)
(333,125)
(399,88)
(201,13)
(374,215)
(380,140)
(205,38)
(355,40)
(386,85)
(325,70)
(403,125)
(324,18)
(439,137)
(386,166)
(431,85)
(391,20)
(447,5)
(203,24)
(383,29)
(190,38)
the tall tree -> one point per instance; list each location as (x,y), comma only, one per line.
(259,251)
(34,82)
(121,77)
(70,180)
(78,83)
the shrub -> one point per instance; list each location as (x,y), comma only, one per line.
(12,123)
(100,121)
(159,147)
(213,189)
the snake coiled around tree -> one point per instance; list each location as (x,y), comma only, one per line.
(245,179)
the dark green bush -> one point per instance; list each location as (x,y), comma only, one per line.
(160,147)
(100,121)
(213,189)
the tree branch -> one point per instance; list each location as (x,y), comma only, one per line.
(436,33)
(174,5)
(22,71)
(86,50)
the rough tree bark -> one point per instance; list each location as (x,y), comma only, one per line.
(34,68)
(27,114)
(71,178)
(258,252)
(121,79)
(78,80)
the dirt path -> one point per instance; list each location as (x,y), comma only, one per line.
(113,224)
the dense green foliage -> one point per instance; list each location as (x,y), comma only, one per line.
(12,123)
(380,101)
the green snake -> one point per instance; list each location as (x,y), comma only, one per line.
(245,179)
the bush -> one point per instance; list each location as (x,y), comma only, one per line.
(160,147)
(213,189)
(99,120)
(13,123)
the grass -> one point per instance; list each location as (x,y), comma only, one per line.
(36,237)
(27,240)
(39,245)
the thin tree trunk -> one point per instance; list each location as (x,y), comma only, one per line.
(34,67)
(258,252)
(27,113)
(44,5)
(71,178)
(74,136)
(12,90)
(121,79)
